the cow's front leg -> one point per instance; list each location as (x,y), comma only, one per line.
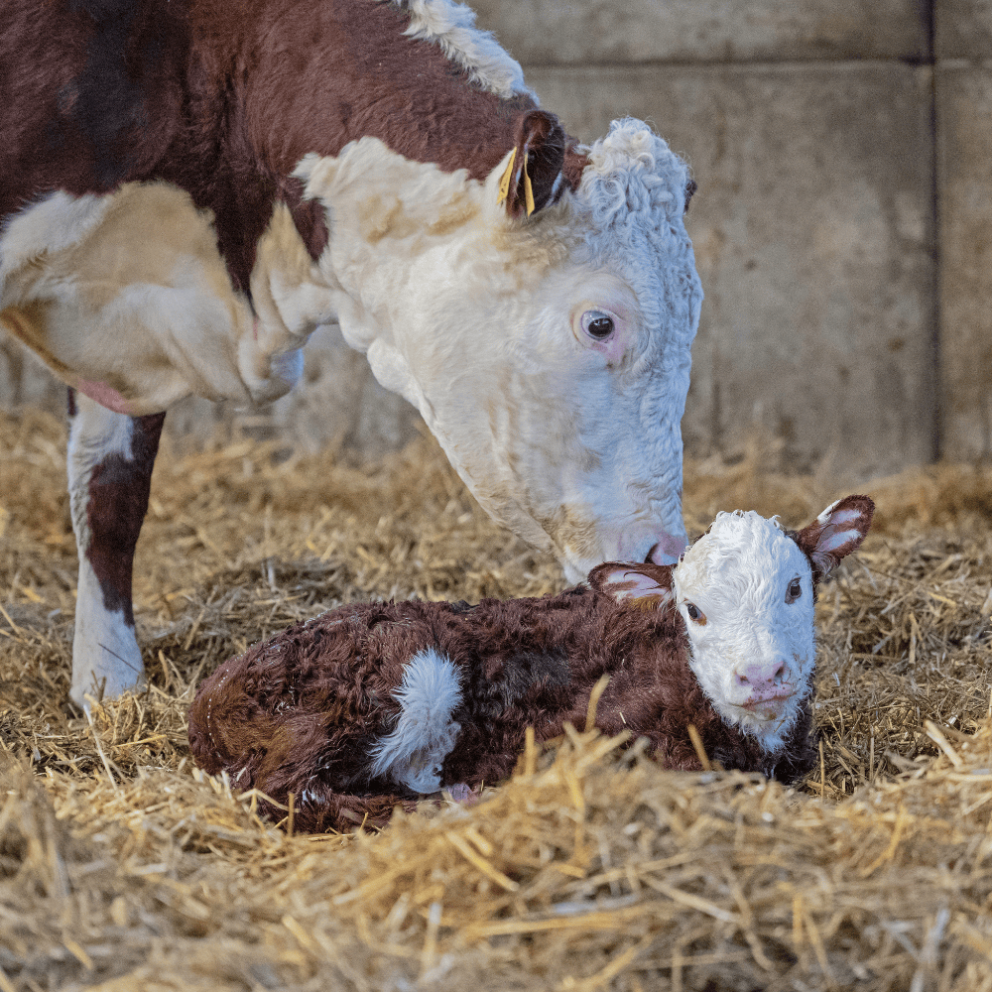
(110,467)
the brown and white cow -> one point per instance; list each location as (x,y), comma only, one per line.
(188,188)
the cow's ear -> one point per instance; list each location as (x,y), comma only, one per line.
(645,586)
(534,175)
(836,533)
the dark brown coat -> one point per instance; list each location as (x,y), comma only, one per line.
(223,99)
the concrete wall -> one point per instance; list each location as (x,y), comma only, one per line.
(964,168)
(842,224)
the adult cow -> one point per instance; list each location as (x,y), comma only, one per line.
(189,187)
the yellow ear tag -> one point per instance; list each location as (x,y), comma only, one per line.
(528,190)
(504,182)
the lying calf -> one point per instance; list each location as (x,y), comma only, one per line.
(372,704)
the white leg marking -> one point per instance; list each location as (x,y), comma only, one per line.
(94,433)
(425,733)
(104,648)
(105,652)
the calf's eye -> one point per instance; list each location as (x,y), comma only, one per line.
(696,615)
(794,591)
(597,325)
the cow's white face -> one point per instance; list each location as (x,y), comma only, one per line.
(745,590)
(550,356)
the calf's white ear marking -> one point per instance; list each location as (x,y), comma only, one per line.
(646,586)
(837,532)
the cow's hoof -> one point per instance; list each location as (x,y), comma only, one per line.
(92,686)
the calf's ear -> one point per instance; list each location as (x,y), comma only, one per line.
(645,586)
(836,533)
(535,174)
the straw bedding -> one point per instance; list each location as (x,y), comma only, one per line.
(122,867)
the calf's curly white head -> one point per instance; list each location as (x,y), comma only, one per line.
(746,590)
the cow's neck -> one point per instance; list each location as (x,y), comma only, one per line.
(369,79)
(363,77)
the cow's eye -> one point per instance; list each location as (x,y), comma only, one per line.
(696,615)
(794,591)
(597,324)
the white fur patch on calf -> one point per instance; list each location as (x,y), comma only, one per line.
(413,753)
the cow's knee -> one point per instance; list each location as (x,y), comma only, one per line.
(110,462)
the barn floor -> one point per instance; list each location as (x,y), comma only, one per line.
(123,868)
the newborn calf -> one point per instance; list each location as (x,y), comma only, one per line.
(373,704)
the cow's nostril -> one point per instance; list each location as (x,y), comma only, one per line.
(779,672)
(667,550)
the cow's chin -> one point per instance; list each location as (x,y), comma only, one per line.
(572,533)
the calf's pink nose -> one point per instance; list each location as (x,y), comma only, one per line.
(762,679)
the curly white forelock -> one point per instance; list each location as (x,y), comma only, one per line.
(721,547)
(632,171)
(633,194)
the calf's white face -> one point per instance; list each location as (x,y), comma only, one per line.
(745,590)
(550,356)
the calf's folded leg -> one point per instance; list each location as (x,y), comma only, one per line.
(320,809)
(110,462)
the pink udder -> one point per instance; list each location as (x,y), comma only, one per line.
(104,395)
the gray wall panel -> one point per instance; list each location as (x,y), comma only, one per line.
(965,165)
(963,29)
(584,32)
